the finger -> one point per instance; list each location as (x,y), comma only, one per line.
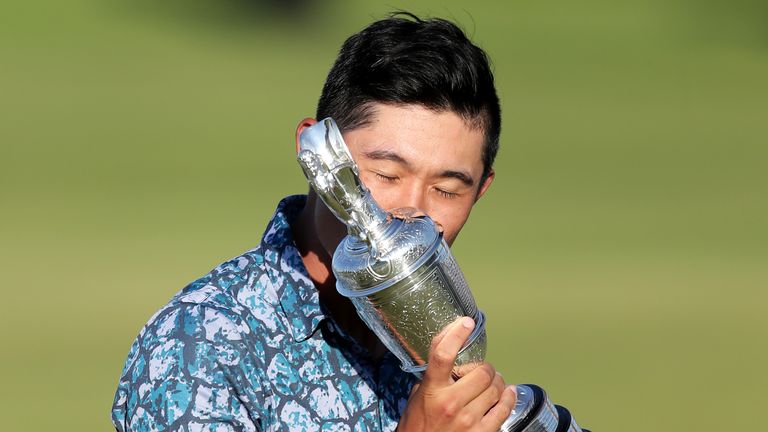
(436,341)
(439,337)
(485,397)
(443,354)
(464,369)
(475,383)
(497,415)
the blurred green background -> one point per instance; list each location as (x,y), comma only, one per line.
(621,255)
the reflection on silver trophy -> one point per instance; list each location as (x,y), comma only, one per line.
(400,274)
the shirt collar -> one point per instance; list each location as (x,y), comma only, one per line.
(298,296)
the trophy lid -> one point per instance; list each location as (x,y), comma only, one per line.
(405,244)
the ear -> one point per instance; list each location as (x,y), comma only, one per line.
(486,184)
(307,122)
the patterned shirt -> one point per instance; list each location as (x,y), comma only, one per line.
(249,347)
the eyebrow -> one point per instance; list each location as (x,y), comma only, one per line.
(387,155)
(460,175)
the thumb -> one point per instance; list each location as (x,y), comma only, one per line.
(444,350)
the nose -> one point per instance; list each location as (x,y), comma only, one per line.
(414,195)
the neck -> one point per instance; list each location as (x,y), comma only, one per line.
(317,260)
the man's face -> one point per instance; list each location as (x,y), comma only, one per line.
(410,156)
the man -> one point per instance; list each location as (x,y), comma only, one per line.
(264,341)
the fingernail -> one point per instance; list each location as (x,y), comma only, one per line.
(512,388)
(499,374)
(468,322)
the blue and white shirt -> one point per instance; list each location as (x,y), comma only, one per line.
(249,347)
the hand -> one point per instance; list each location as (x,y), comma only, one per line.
(478,401)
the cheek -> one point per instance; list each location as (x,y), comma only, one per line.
(452,219)
(386,198)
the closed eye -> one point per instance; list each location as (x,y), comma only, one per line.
(385,178)
(446,194)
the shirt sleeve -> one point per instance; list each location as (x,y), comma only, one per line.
(190,369)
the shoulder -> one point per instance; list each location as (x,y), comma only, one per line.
(180,370)
(201,355)
(206,354)
(219,306)
(231,303)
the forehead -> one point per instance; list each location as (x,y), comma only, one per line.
(430,139)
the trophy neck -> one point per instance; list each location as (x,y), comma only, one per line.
(333,174)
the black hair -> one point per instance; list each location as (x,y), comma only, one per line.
(406,60)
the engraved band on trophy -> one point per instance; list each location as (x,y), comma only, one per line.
(398,271)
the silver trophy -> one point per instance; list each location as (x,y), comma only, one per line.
(398,271)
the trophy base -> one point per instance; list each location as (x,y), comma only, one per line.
(534,412)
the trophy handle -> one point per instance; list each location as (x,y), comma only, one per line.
(333,174)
